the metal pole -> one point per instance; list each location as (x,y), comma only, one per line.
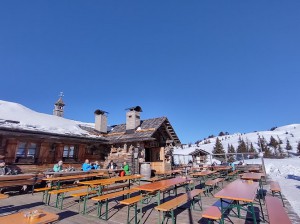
(263,166)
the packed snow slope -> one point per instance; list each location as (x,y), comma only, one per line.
(287,173)
(17,116)
(289,132)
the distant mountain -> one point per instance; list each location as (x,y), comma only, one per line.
(282,134)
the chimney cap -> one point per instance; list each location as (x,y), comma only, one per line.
(100,112)
(136,108)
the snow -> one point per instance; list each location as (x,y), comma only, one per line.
(289,132)
(17,116)
(287,173)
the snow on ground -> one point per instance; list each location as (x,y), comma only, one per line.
(14,115)
(287,173)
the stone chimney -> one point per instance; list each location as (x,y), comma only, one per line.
(133,118)
(100,121)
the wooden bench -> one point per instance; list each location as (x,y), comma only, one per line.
(214,184)
(133,202)
(276,212)
(9,181)
(170,206)
(106,197)
(232,175)
(3,196)
(45,191)
(83,196)
(276,190)
(212,213)
(60,195)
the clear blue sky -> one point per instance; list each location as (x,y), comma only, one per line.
(209,66)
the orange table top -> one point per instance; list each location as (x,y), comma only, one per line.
(203,173)
(155,186)
(20,177)
(46,217)
(73,177)
(251,176)
(70,173)
(254,169)
(110,180)
(239,190)
(3,196)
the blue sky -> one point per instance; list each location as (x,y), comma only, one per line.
(209,66)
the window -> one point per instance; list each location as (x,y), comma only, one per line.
(69,151)
(26,150)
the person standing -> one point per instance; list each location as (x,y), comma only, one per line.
(86,166)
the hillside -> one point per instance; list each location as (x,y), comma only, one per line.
(284,133)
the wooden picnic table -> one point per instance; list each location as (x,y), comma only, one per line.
(20,180)
(73,177)
(110,180)
(92,184)
(160,185)
(254,169)
(169,172)
(111,171)
(252,176)
(46,217)
(203,175)
(239,192)
(222,168)
(70,173)
(17,177)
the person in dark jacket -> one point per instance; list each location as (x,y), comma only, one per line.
(111,165)
(4,170)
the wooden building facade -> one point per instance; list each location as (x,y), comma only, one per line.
(149,140)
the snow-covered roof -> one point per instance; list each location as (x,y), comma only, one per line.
(16,116)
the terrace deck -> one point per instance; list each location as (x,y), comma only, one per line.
(69,215)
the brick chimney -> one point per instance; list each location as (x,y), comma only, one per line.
(101,121)
(133,118)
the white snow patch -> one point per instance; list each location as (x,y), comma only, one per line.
(17,116)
